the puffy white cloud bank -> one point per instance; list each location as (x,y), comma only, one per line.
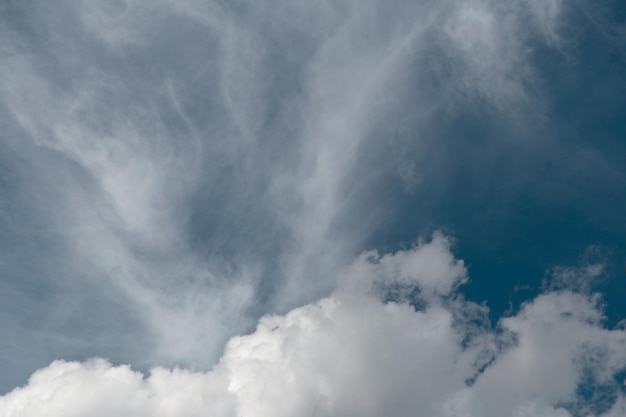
(394,339)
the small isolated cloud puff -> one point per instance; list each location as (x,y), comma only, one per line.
(430,267)
(351,354)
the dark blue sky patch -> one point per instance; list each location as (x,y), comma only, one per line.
(521,200)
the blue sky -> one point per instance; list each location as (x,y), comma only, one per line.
(226,195)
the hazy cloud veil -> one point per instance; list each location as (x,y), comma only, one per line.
(176,175)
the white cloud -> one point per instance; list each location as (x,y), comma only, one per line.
(351,354)
(431,267)
(96,388)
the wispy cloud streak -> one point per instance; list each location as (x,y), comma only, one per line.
(208,162)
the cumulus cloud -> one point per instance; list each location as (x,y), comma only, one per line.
(354,354)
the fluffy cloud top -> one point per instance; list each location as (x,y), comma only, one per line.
(352,354)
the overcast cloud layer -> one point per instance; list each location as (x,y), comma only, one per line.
(174,172)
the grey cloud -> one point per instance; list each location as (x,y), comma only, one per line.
(201,161)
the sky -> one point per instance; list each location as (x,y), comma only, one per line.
(313,208)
